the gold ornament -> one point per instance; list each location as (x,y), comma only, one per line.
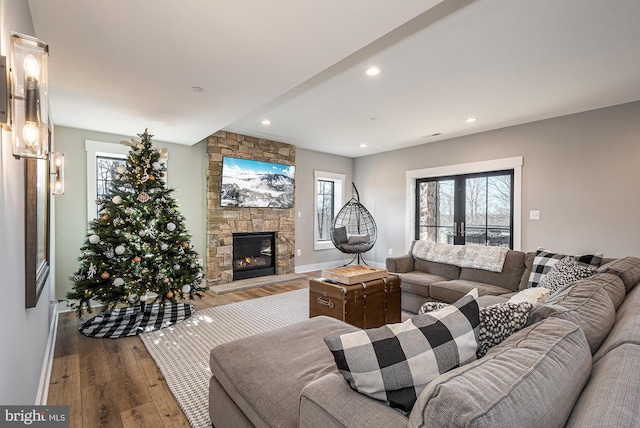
(143,197)
(137,259)
(144,271)
(185,244)
(105,217)
(166,280)
(105,275)
(169,294)
(152,177)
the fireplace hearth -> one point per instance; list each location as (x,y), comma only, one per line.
(253,255)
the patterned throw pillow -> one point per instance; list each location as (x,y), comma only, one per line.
(395,362)
(497,322)
(565,272)
(432,306)
(544,261)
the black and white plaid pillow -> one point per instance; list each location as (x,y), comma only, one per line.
(395,362)
(135,320)
(497,322)
(544,261)
(565,272)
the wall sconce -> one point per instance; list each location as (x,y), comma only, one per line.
(27,87)
(57,173)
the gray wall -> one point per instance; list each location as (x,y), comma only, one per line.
(307,161)
(581,171)
(186,172)
(23,332)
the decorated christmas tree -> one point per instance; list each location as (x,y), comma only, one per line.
(137,250)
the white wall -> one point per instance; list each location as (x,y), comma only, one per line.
(23,332)
(307,161)
(186,172)
(581,171)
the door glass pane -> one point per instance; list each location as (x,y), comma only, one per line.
(499,210)
(435,210)
(476,211)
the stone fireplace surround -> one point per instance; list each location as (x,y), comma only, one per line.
(223,222)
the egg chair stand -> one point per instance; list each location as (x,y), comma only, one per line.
(354,230)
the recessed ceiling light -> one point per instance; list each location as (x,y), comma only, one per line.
(363,145)
(266,122)
(472,119)
(197,89)
(373,71)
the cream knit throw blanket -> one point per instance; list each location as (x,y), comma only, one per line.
(466,256)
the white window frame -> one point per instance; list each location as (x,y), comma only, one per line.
(338,202)
(514,163)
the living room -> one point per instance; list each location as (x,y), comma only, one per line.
(577,170)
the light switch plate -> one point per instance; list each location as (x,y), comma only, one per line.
(534,215)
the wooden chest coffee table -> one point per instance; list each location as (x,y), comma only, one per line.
(366,304)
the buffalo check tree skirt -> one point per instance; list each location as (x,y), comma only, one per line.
(135,320)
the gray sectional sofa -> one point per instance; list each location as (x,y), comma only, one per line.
(424,280)
(575,364)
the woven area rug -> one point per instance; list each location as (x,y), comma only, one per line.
(182,350)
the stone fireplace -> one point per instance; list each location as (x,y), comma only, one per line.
(224,222)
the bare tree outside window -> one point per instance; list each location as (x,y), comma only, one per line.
(325,204)
(106,170)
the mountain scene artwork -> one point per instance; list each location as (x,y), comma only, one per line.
(251,183)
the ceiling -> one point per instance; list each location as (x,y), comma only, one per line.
(121,66)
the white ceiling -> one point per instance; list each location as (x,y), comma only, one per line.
(121,66)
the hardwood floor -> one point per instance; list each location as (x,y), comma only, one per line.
(115,382)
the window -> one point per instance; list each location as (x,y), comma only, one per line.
(100,157)
(474,209)
(329,191)
(106,169)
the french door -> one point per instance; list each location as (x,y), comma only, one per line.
(474,209)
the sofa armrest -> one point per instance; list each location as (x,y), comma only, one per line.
(400,264)
(330,402)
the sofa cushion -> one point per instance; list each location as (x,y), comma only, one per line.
(535,295)
(450,291)
(544,261)
(524,381)
(613,285)
(610,398)
(627,268)
(585,303)
(627,326)
(509,278)
(418,282)
(497,322)
(265,373)
(565,272)
(394,363)
(440,269)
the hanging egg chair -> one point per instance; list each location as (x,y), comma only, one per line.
(354,231)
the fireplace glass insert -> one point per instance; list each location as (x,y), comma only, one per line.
(253,255)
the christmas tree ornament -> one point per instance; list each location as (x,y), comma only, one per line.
(105,275)
(186,288)
(156,166)
(92,271)
(105,217)
(144,271)
(120,250)
(152,178)
(144,178)
(171,227)
(132,298)
(169,294)
(121,169)
(109,253)
(117,199)
(176,267)
(142,233)
(137,259)
(163,247)
(144,298)
(166,280)
(185,244)
(94,239)
(118,282)
(143,197)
